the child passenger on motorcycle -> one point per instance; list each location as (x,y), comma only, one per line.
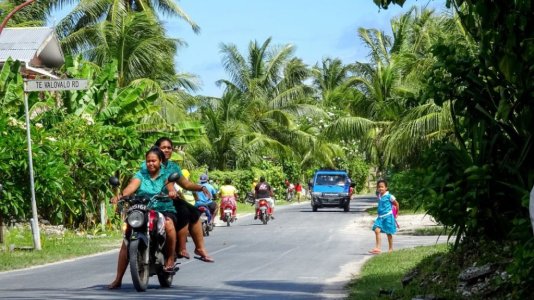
(228,192)
(263,191)
(149,183)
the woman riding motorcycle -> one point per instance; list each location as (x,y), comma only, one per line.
(228,192)
(185,210)
(149,183)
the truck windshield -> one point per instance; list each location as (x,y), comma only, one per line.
(326,179)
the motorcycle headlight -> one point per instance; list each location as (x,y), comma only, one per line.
(136,219)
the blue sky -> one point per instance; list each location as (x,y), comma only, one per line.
(316,28)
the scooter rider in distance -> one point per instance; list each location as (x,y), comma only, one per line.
(263,191)
(202,199)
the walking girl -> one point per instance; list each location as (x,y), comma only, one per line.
(385,222)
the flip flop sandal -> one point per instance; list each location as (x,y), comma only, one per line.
(375,251)
(205,259)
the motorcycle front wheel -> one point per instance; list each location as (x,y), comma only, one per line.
(138,267)
(205,229)
(165,279)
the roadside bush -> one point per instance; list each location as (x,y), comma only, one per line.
(243,179)
(358,172)
(406,186)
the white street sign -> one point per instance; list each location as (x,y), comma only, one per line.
(55,85)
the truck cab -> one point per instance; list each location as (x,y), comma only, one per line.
(330,189)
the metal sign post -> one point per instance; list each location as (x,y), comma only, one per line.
(33,86)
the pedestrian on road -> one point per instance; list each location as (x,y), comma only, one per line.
(298,190)
(385,222)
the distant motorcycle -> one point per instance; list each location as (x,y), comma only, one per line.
(263,211)
(145,238)
(250,198)
(228,207)
(206,219)
(290,193)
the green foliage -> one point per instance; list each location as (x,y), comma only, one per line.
(522,267)
(358,172)
(292,170)
(243,179)
(409,188)
(385,272)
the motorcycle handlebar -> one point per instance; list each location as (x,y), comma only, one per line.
(134,199)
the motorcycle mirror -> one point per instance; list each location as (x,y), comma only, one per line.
(174,177)
(114,181)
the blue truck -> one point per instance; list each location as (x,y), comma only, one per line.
(330,189)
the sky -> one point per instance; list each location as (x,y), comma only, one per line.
(316,28)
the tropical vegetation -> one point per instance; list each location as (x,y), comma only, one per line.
(443,108)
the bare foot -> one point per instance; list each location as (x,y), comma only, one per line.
(114,285)
(390,250)
(183,254)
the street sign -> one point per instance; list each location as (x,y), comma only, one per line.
(55,85)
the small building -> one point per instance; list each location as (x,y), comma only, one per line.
(38,48)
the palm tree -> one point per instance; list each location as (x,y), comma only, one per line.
(31,15)
(257,114)
(89,12)
(135,40)
(389,116)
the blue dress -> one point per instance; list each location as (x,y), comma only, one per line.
(385,220)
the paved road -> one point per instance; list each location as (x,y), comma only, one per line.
(299,255)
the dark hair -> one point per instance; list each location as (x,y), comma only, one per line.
(156,150)
(382,181)
(161,140)
(262,179)
(227,181)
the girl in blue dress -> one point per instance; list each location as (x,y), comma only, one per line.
(385,222)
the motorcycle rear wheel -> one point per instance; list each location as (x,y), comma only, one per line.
(138,268)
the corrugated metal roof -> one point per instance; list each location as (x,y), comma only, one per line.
(25,43)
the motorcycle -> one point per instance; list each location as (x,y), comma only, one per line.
(227,210)
(250,198)
(206,219)
(145,238)
(290,193)
(263,211)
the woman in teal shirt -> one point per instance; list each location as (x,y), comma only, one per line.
(150,182)
(187,214)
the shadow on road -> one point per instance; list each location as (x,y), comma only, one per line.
(258,289)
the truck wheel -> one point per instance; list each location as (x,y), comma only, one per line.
(314,208)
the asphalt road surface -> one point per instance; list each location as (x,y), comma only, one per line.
(299,255)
